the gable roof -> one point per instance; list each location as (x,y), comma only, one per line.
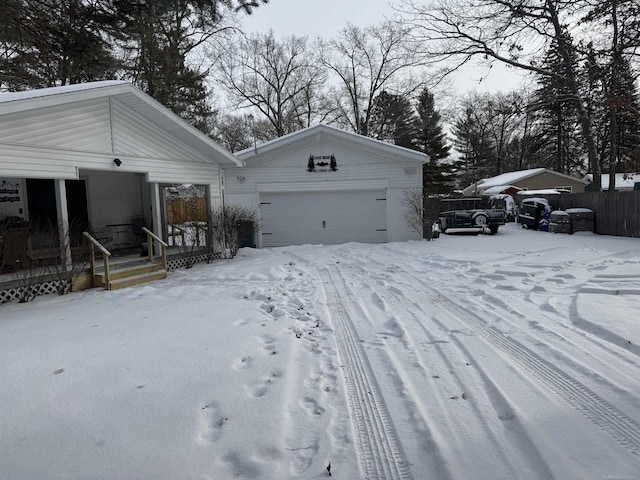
(249,154)
(143,104)
(509,179)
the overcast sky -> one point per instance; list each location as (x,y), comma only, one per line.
(327,17)
(316,17)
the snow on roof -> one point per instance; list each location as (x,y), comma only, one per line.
(134,98)
(579,210)
(624,181)
(508,178)
(546,191)
(351,137)
(43,92)
(498,189)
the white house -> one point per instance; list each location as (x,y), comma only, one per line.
(322,185)
(99,153)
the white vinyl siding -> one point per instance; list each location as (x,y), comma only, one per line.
(133,135)
(294,218)
(294,202)
(76,126)
(35,162)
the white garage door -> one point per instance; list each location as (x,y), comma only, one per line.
(323,217)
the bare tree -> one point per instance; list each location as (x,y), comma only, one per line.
(367,62)
(279,79)
(513,32)
(235,133)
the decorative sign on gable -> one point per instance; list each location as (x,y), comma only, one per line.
(322,163)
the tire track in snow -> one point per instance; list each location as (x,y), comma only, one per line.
(378,447)
(408,312)
(621,427)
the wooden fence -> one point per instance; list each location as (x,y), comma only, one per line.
(182,210)
(616,213)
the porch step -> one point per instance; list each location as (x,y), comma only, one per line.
(126,276)
(137,279)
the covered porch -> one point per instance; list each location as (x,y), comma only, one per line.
(94,158)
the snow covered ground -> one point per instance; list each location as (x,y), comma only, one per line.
(514,356)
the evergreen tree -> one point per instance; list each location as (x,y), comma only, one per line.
(472,141)
(47,43)
(616,106)
(156,38)
(628,108)
(437,174)
(557,120)
(393,120)
(431,138)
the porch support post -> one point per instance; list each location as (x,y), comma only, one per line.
(156,210)
(63,223)
(209,203)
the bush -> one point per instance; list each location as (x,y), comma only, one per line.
(228,229)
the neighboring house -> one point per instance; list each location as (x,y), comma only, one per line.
(623,181)
(532,179)
(99,154)
(322,185)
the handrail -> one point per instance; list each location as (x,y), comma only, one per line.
(163,246)
(105,258)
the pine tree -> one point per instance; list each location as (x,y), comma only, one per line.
(628,122)
(472,141)
(437,175)
(393,120)
(431,138)
(47,43)
(157,38)
(557,120)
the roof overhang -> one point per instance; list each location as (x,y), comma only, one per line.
(265,148)
(124,92)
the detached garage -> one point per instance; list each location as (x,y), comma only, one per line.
(322,185)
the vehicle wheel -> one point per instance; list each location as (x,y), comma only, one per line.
(480,220)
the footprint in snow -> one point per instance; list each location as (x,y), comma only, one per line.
(213,422)
(260,388)
(243,363)
(312,406)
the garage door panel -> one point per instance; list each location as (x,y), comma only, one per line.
(323,217)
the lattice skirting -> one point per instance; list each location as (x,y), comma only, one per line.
(182,262)
(15,293)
